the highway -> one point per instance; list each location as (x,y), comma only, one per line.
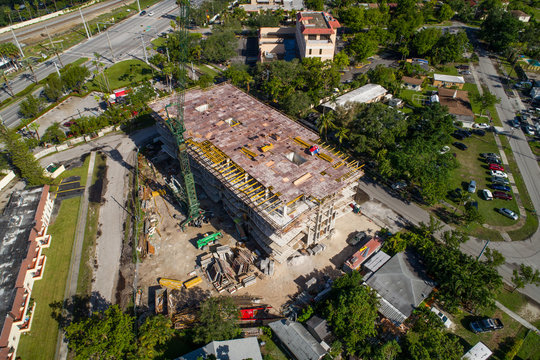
(126,40)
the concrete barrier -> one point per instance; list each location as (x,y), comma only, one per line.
(44,152)
(76,140)
(62,147)
(6,179)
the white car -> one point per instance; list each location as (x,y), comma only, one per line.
(487,194)
(151,13)
(446,321)
(444,150)
(481,126)
(498,174)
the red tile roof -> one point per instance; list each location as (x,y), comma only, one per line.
(360,256)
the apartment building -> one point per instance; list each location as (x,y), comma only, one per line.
(316,34)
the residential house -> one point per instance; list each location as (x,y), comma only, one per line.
(402,285)
(277,43)
(316,34)
(520,15)
(440,80)
(264,5)
(363,95)
(237,349)
(318,328)
(412,83)
(300,343)
(374,263)
(358,258)
(478,352)
(457,102)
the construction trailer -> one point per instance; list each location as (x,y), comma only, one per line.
(287,196)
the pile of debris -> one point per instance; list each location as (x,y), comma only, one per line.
(229,270)
(267,266)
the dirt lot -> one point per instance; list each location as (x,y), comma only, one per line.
(176,254)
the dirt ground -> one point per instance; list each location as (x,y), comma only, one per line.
(176,254)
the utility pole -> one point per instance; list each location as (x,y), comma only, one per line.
(110,46)
(483,249)
(32,70)
(168,57)
(17,42)
(7,84)
(57,70)
(144,48)
(53,47)
(139,6)
(85,26)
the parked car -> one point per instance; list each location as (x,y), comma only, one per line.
(500,187)
(151,13)
(486,325)
(458,135)
(499,180)
(460,146)
(529,130)
(481,126)
(69,123)
(502,195)
(444,150)
(357,238)
(486,155)
(143,13)
(486,194)
(498,173)
(514,123)
(398,185)
(495,167)
(492,160)
(465,132)
(508,213)
(479,132)
(446,321)
(472,187)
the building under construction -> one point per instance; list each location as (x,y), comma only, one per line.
(271,173)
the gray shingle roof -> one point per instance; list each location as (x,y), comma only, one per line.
(298,340)
(237,349)
(403,284)
(318,328)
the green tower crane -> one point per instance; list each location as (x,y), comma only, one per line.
(177,127)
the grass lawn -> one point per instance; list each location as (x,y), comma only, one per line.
(407,96)
(512,300)
(472,168)
(40,342)
(270,350)
(159,42)
(208,71)
(529,349)
(81,171)
(472,89)
(497,341)
(122,74)
(92,223)
(446,70)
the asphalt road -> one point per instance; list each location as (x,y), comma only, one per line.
(126,43)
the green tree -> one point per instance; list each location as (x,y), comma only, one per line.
(486,100)
(219,47)
(316,5)
(307,312)
(21,157)
(351,311)
(472,214)
(362,46)
(54,135)
(424,40)
(155,331)
(341,60)
(239,75)
(445,13)
(74,76)
(296,104)
(53,88)
(325,123)
(388,351)
(494,258)
(217,320)
(433,344)
(104,335)
(31,106)
(525,275)
(500,29)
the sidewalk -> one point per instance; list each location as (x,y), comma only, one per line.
(516,317)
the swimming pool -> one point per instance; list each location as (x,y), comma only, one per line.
(533,62)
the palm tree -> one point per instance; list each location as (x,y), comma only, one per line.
(35,126)
(326,122)
(342,133)
(7,12)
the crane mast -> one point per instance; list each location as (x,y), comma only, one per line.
(177,127)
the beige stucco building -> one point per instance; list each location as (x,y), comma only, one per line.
(316,34)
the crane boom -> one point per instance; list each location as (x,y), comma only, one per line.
(176,123)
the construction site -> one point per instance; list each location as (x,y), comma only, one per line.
(274,177)
(238,199)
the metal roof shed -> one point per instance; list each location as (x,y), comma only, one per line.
(298,340)
(478,352)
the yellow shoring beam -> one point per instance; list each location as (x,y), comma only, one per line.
(352,164)
(221,166)
(258,195)
(300,141)
(325,157)
(237,172)
(252,190)
(238,179)
(338,165)
(267,206)
(248,181)
(265,200)
(248,152)
(222,170)
(295,200)
(359,167)
(230,172)
(274,209)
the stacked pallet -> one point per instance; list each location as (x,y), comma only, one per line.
(267,266)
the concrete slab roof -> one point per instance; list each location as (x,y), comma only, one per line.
(239,124)
(361,95)
(449,78)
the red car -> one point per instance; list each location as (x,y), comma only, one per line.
(502,195)
(496,167)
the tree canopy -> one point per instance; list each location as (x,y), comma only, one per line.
(217,320)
